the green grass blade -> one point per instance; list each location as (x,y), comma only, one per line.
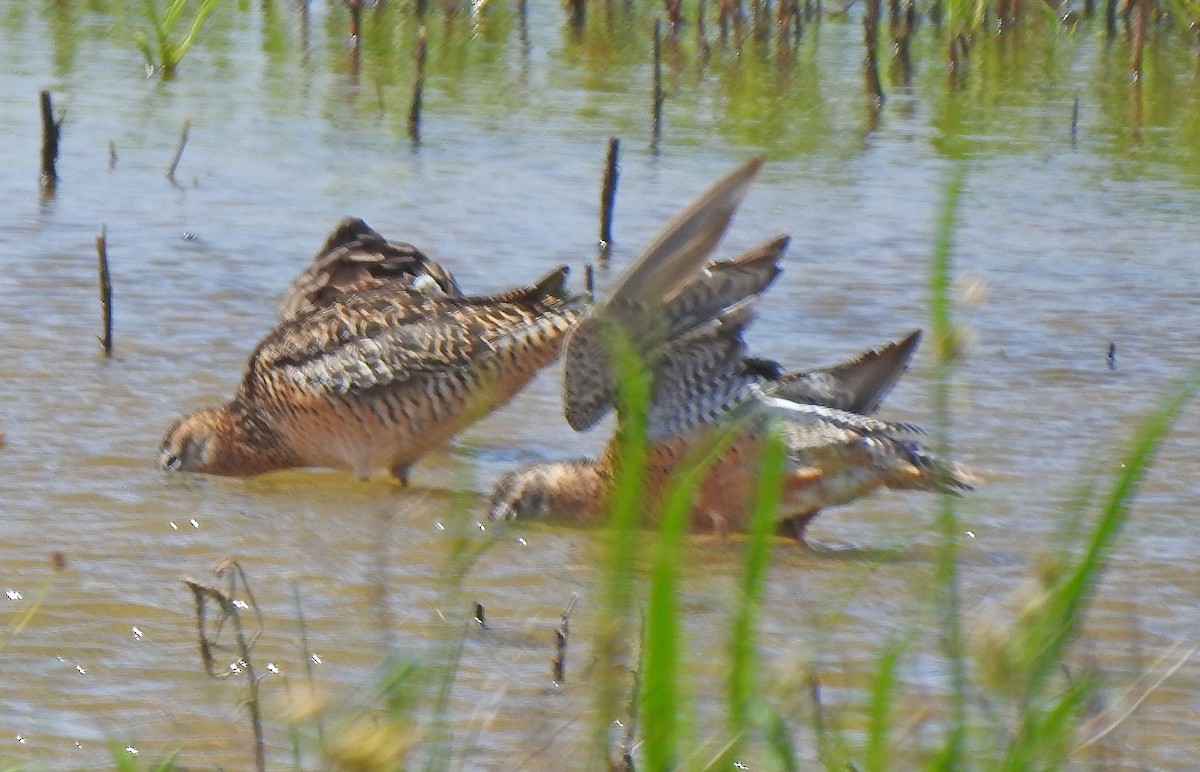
(181,48)
(662,699)
(742,674)
(625,510)
(1069,597)
(879,710)
(945,340)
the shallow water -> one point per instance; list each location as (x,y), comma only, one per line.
(1066,248)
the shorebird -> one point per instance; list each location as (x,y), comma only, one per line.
(371,379)
(704,384)
(355,258)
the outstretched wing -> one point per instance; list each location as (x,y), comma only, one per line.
(664,292)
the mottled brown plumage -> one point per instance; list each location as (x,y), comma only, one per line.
(372,378)
(706,387)
(355,258)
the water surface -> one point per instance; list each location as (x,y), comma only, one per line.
(1061,249)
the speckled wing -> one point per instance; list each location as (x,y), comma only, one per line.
(388,339)
(678,331)
(355,257)
(702,379)
(666,291)
(857,385)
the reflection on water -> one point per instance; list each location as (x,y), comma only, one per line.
(1075,246)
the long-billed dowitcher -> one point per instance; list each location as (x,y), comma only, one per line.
(705,384)
(373,379)
(355,258)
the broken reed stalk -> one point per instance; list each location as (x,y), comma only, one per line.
(1139,39)
(355,7)
(105,291)
(658,87)
(559,663)
(1075,121)
(871,34)
(308,656)
(414,113)
(229,611)
(183,138)
(589,282)
(1110,18)
(523,17)
(608,196)
(674,13)
(578,15)
(50,134)
(625,761)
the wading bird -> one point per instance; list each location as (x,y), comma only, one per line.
(371,379)
(355,258)
(704,386)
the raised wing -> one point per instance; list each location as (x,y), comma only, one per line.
(666,291)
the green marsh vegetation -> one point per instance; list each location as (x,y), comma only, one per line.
(171,33)
(1018,691)
(787,78)
(1013,704)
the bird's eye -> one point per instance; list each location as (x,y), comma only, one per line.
(170,461)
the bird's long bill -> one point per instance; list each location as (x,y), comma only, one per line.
(682,248)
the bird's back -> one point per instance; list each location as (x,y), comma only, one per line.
(375,379)
(355,258)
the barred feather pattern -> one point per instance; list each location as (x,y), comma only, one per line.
(656,331)
(707,387)
(355,257)
(375,379)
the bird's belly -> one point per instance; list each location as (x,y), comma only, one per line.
(389,429)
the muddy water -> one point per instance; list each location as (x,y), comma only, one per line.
(1061,249)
